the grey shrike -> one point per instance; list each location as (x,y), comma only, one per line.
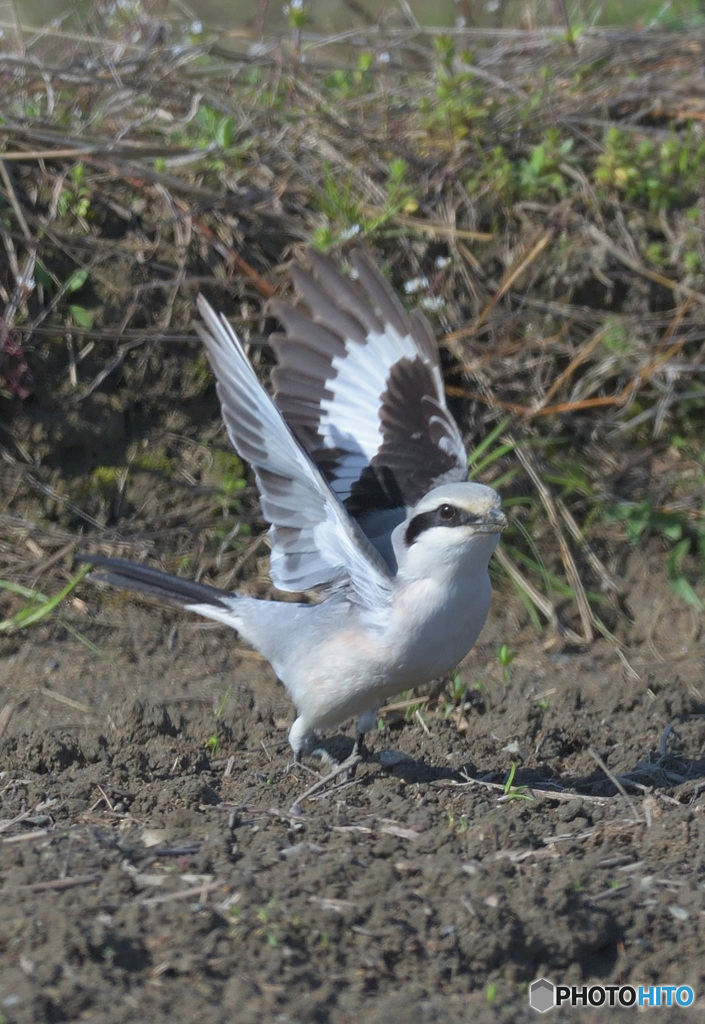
(362,474)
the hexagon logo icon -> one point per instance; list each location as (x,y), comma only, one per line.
(542,995)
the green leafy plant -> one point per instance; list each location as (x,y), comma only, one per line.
(495,173)
(346,84)
(56,289)
(642,518)
(542,173)
(677,579)
(216,129)
(459,104)
(81,316)
(658,173)
(226,474)
(75,198)
(348,213)
(215,134)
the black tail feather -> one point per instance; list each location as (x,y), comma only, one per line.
(119,572)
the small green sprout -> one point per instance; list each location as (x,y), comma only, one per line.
(505,657)
(512,792)
(457,686)
(221,707)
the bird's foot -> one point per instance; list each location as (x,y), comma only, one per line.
(297,765)
(358,753)
(346,767)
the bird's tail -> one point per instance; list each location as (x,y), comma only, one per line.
(119,572)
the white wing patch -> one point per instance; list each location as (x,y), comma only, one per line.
(352,419)
(370,408)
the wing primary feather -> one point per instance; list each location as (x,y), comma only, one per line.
(373,386)
(304,512)
(385,302)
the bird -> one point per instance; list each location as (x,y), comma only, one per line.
(363,478)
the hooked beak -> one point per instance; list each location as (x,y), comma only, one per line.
(495,521)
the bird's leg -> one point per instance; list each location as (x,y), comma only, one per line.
(365,723)
(358,753)
(359,746)
(296,764)
(301,743)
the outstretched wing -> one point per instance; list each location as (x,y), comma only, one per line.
(314,541)
(359,382)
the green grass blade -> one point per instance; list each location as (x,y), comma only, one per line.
(40,605)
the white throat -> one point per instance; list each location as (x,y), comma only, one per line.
(445,555)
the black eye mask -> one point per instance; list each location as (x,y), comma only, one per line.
(445,515)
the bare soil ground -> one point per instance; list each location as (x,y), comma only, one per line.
(147,876)
(158,859)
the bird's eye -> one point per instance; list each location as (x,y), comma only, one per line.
(446,513)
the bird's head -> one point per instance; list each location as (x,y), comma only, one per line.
(453,529)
